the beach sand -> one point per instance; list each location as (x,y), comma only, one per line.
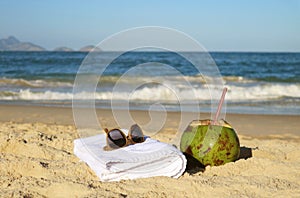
(37,159)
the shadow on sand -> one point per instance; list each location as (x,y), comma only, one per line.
(194,166)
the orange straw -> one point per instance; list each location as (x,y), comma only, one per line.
(220,106)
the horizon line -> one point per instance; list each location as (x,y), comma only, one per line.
(208,51)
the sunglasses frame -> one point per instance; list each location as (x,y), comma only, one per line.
(129,138)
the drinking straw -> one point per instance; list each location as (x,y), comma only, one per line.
(220,106)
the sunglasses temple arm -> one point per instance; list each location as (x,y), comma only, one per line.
(106,130)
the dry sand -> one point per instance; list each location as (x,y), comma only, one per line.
(37,160)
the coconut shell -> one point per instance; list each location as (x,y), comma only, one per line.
(212,145)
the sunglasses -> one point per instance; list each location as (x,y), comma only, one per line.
(115,138)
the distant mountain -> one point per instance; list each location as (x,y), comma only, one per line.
(89,48)
(13,44)
(63,49)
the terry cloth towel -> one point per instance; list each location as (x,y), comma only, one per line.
(148,159)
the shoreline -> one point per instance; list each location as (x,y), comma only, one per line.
(245,124)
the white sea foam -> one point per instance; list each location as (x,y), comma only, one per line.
(163,93)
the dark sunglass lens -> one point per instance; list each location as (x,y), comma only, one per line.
(115,139)
(136,134)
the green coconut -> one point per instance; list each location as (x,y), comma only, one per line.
(211,144)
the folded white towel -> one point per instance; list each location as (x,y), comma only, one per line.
(148,159)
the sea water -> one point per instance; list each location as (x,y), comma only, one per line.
(263,83)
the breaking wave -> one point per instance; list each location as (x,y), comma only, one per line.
(19,82)
(163,93)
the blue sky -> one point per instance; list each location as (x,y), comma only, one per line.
(268,25)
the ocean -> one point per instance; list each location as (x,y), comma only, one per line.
(259,83)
